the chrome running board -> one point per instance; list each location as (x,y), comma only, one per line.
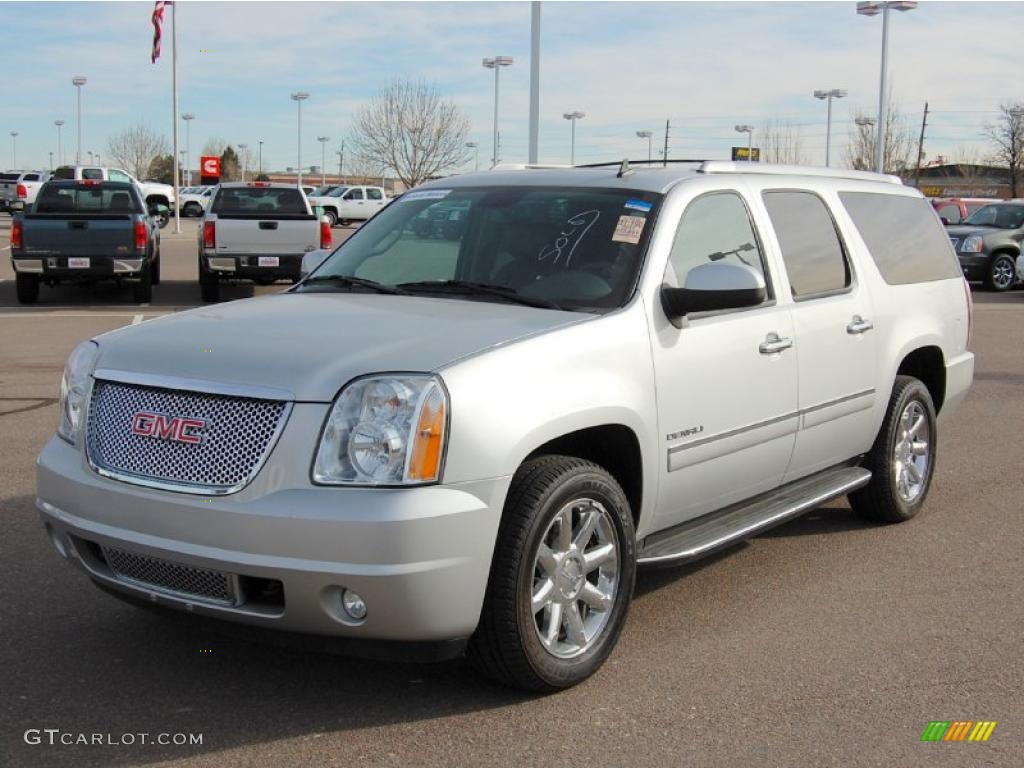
(697,538)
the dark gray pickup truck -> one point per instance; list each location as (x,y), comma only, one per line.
(988,242)
(85,232)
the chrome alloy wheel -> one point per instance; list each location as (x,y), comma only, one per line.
(575,578)
(912,452)
(1003,273)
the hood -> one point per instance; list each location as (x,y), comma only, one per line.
(312,344)
(963,230)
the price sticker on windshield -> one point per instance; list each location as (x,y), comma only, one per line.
(629,229)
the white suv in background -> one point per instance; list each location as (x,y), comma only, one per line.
(469,443)
(345,204)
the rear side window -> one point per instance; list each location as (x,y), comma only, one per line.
(811,248)
(905,238)
(950,213)
(354,194)
(98,199)
(374,194)
(31,177)
(64,172)
(259,200)
(95,174)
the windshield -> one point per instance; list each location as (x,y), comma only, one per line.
(1002,216)
(577,248)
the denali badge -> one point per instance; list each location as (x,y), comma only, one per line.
(176,428)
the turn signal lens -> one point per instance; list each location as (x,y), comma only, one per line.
(428,442)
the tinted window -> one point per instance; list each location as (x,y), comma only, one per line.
(101,198)
(96,174)
(116,175)
(374,194)
(31,177)
(1001,216)
(811,250)
(64,172)
(354,194)
(950,213)
(715,227)
(8,177)
(257,200)
(905,238)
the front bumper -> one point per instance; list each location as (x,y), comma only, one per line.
(419,557)
(255,266)
(974,265)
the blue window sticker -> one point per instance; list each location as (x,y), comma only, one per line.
(639,205)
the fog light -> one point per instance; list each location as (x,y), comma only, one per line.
(353,605)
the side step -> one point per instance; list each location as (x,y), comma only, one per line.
(697,538)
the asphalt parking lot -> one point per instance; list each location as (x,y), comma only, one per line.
(825,642)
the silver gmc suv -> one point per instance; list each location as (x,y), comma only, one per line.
(469,441)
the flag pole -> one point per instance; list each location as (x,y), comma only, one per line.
(174,85)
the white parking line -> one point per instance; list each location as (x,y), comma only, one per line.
(60,314)
(137,319)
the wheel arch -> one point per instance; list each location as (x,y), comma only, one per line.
(927,364)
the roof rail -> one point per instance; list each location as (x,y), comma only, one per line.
(528,166)
(649,163)
(725,166)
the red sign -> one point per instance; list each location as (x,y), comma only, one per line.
(176,428)
(209,169)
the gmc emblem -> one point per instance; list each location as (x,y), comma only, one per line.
(176,428)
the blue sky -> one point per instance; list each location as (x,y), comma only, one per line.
(628,66)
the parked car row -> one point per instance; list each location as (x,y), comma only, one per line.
(988,241)
(18,189)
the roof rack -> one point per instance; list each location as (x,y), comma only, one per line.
(529,166)
(725,166)
(649,163)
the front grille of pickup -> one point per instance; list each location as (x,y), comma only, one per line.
(226,443)
(145,571)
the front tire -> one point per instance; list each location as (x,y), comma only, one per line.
(27,287)
(1002,273)
(561,578)
(902,460)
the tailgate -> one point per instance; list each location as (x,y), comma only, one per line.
(272,236)
(47,235)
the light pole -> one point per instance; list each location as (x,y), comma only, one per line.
(323,159)
(98,158)
(243,147)
(298,97)
(475,146)
(873,9)
(835,93)
(649,136)
(188,117)
(572,117)
(261,159)
(90,158)
(183,168)
(749,130)
(78,81)
(51,162)
(496,64)
(14,148)
(60,142)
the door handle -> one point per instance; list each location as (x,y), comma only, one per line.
(859,325)
(268,225)
(774,343)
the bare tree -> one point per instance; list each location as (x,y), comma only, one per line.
(900,142)
(214,146)
(411,130)
(781,142)
(134,149)
(1006,137)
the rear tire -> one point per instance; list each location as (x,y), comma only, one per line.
(209,285)
(154,269)
(192,210)
(902,460)
(561,577)
(1002,273)
(142,291)
(27,288)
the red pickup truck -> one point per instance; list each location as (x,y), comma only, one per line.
(953,210)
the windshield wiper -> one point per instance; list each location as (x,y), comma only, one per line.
(469,288)
(354,282)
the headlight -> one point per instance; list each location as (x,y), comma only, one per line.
(74,388)
(384,430)
(972,244)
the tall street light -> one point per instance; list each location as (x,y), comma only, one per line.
(261,158)
(298,97)
(873,9)
(51,161)
(475,146)
(78,81)
(323,159)
(647,135)
(14,149)
(188,117)
(835,93)
(182,166)
(572,117)
(496,64)
(749,130)
(60,142)
(91,162)
(243,147)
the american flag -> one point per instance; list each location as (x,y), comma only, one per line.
(158,23)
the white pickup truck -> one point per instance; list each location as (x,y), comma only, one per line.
(345,204)
(18,189)
(153,192)
(257,231)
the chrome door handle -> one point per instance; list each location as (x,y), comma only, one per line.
(774,343)
(859,325)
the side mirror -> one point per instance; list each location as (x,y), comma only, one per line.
(311,260)
(711,287)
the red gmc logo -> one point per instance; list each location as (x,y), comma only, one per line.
(176,428)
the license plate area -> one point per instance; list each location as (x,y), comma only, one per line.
(78,262)
(269,261)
